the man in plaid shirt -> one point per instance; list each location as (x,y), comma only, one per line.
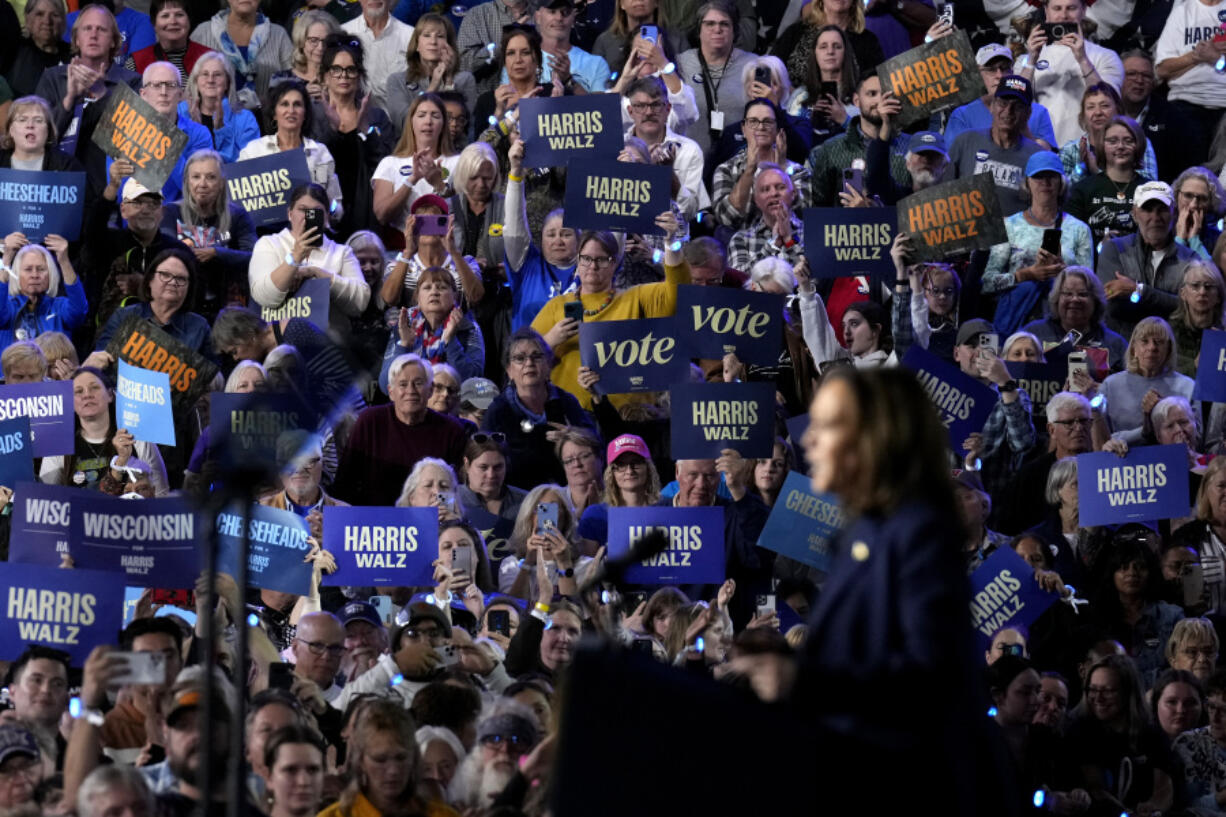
(776,231)
(764,142)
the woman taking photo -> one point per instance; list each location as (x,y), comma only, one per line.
(209,100)
(1100,103)
(30,140)
(631,481)
(459,542)
(1077,303)
(519,55)
(531,412)
(420,164)
(219,232)
(1149,376)
(437,328)
(486,499)
(311,31)
(433,66)
(1104,200)
(1019,270)
(624,36)
(599,259)
(99,446)
(34,304)
(42,49)
(355,131)
(255,47)
(289,117)
(1202,300)
(427,249)
(431,484)
(796,44)
(797,130)
(282,261)
(831,66)
(534,540)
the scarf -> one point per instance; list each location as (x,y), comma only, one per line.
(244,66)
(430,341)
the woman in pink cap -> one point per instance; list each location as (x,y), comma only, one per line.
(631,481)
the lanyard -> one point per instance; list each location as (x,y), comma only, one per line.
(709,87)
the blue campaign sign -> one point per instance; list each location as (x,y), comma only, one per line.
(709,417)
(802,524)
(797,426)
(1004,593)
(40,203)
(309,301)
(695,552)
(246,428)
(630,356)
(152,541)
(1211,370)
(1041,382)
(605,194)
(143,404)
(48,405)
(1148,484)
(558,129)
(41,519)
(381,546)
(844,241)
(16,458)
(962,401)
(71,610)
(715,321)
(262,186)
(278,548)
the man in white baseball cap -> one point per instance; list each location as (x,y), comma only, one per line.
(995,61)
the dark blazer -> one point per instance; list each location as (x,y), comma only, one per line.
(533,461)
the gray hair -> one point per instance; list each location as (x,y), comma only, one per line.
(778,71)
(446,368)
(1163,407)
(1021,334)
(163,64)
(366,240)
(189,212)
(471,160)
(192,92)
(415,477)
(243,365)
(1061,474)
(411,360)
(53,270)
(772,270)
(1064,400)
(106,778)
(1216,193)
(1092,283)
(234,325)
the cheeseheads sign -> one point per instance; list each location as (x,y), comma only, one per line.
(932,77)
(142,344)
(954,217)
(131,129)
(557,129)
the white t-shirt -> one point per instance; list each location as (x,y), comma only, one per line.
(1001,12)
(1059,85)
(1110,15)
(397,170)
(1190,22)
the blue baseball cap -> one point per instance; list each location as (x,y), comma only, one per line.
(928,140)
(1015,86)
(1043,161)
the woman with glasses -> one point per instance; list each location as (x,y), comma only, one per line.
(289,118)
(1202,303)
(579,451)
(356,132)
(630,481)
(1111,731)
(433,66)
(437,328)
(1019,271)
(713,71)
(255,46)
(600,256)
(281,262)
(764,141)
(487,500)
(532,413)
(33,304)
(1193,648)
(1150,375)
(209,99)
(30,140)
(927,316)
(445,391)
(1078,304)
(1103,200)
(1199,204)
(311,31)
(1081,157)
(166,296)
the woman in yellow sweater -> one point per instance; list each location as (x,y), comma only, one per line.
(599,257)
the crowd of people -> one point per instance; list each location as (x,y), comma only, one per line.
(451,378)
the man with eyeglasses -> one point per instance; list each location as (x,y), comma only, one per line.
(504,737)
(1002,149)
(317,648)
(162,87)
(1023,502)
(732,189)
(995,61)
(385,41)
(1170,132)
(1200,751)
(1141,272)
(649,110)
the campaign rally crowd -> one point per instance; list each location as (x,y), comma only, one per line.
(421,287)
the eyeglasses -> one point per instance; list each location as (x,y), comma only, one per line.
(27,769)
(1199,198)
(516,744)
(347,71)
(941,292)
(578,458)
(597,261)
(170,280)
(25,119)
(162,87)
(629,465)
(483,437)
(1083,422)
(318,648)
(1193,652)
(1199,286)
(759,124)
(640,107)
(521,359)
(442,387)
(314,41)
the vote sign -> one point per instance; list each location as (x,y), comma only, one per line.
(932,77)
(962,401)
(558,129)
(695,552)
(709,417)
(605,194)
(393,547)
(802,524)
(842,242)
(1150,483)
(716,321)
(953,217)
(70,610)
(1004,593)
(633,356)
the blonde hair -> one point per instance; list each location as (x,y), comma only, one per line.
(1152,327)
(116,35)
(1204,507)
(472,158)
(1188,630)
(407,145)
(814,14)
(1211,272)
(309,18)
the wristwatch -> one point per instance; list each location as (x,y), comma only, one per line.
(289,259)
(567,573)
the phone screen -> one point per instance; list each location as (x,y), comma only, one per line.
(500,622)
(650,33)
(762,74)
(280,675)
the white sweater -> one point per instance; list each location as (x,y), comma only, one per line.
(349,292)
